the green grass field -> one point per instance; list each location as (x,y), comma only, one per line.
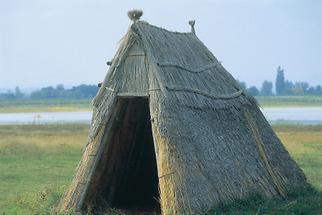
(49,105)
(290,101)
(37,163)
(58,105)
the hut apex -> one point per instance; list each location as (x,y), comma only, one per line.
(192,24)
(173,132)
(134,14)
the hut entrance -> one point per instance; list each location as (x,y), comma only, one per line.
(127,171)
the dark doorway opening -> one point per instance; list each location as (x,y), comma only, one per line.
(126,177)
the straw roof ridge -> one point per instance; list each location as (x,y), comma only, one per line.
(159,28)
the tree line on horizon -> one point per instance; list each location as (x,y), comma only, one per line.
(283,87)
(83,91)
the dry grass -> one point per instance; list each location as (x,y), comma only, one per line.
(305,145)
(36,165)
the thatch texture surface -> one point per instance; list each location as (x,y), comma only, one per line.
(216,159)
(212,142)
(187,69)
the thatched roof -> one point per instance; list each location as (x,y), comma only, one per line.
(181,67)
(182,63)
(212,142)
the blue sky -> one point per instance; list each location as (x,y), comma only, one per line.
(57,41)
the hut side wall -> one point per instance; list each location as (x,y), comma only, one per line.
(74,197)
(285,168)
(126,77)
(206,150)
(207,157)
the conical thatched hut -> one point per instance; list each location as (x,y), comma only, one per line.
(172,131)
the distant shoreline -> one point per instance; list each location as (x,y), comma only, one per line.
(79,105)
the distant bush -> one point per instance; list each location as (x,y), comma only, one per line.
(267,88)
(253,91)
(82,91)
(79,92)
(17,94)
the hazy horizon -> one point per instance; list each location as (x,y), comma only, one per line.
(46,43)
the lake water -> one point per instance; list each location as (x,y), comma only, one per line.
(45,117)
(297,115)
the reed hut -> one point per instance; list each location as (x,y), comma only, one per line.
(172,132)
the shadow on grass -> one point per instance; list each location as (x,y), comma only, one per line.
(299,202)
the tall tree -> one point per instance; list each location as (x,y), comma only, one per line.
(253,91)
(280,82)
(318,89)
(18,93)
(267,87)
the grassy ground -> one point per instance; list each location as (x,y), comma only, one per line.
(306,201)
(49,105)
(58,105)
(37,163)
(305,145)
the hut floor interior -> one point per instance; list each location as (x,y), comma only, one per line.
(126,177)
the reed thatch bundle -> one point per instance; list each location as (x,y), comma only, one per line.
(172,128)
